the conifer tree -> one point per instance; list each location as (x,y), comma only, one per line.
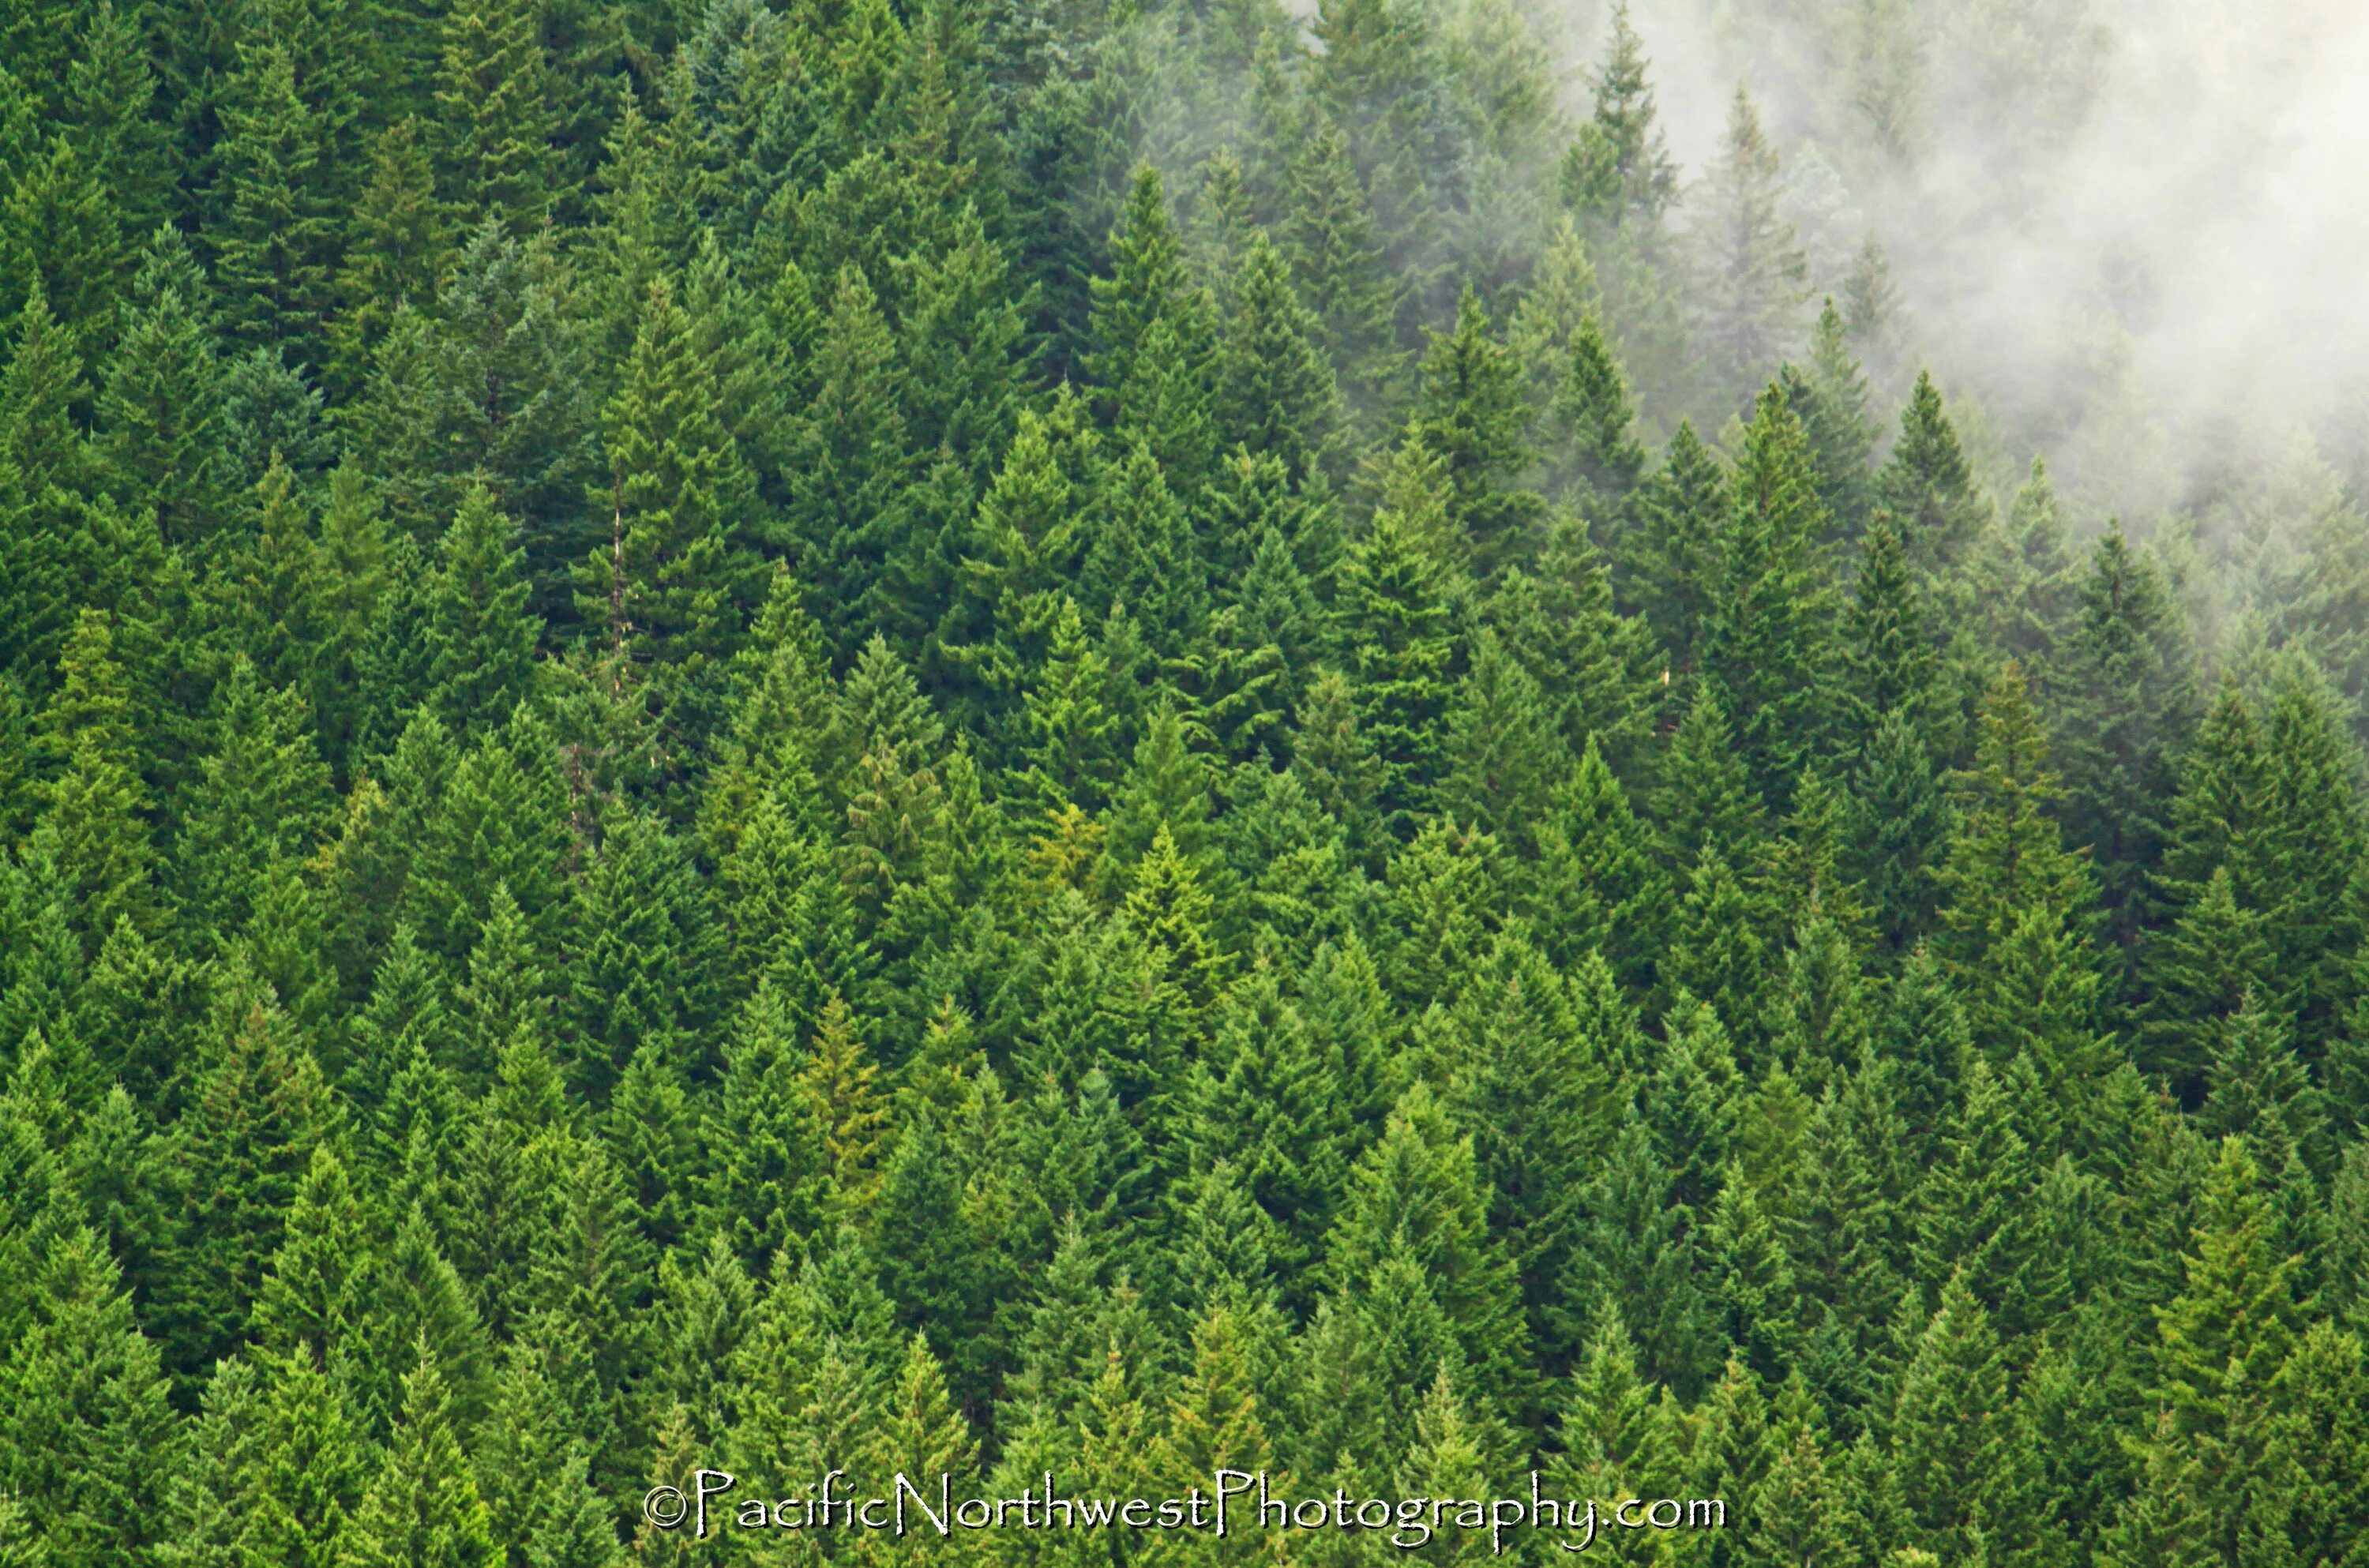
(2007,863)
(1503,754)
(1672,559)
(480,639)
(1277,393)
(48,461)
(1592,405)
(763,1174)
(849,464)
(423,1506)
(1473,415)
(497,119)
(1831,395)
(1328,232)
(159,406)
(1768,646)
(93,831)
(1752,269)
(1955,1447)
(261,803)
(1393,617)
(86,1426)
(1619,171)
(278,246)
(1150,310)
(669,581)
(1929,488)
(403,238)
(2219,1342)
(2133,691)
(848,1111)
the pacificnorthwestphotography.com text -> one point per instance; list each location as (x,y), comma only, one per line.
(1237,1501)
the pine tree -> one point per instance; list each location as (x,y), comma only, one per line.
(1502,755)
(1142,554)
(1900,825)
(2028,580)
(65,239)
(643,971)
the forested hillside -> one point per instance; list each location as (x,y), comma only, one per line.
(1020,736)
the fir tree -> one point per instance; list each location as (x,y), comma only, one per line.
(480,640)
(424,1505)
(87,1428)
(1393,622)
(1752,270)
(497,118)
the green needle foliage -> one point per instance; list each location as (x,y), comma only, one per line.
(1119,740)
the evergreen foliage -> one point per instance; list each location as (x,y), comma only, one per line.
(1112,741)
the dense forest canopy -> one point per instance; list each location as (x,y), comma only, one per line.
(1115,738)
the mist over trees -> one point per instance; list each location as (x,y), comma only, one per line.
(1118,740)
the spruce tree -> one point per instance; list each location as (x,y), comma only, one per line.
(93,832)
(1593,409)
(2129,711)
(159,406)
(2007,864)
(1929,488)
(1619,170)
(278,249)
